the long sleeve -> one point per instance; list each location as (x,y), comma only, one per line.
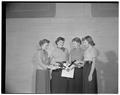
(94,55)
(40,59)
(67,55)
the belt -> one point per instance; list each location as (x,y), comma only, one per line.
(59,69)
(87,61)
(61,62)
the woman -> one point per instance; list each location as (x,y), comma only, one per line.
(60,57)
(42,73)
(89,70)
(76,54)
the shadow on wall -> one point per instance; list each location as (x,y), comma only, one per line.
(108,73)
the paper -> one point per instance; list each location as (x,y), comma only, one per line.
(68,74)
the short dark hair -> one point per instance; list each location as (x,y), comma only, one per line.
(59,38)
(76,39)
(89,39)
(41,42)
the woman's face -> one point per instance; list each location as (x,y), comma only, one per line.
(60,43)
(85,43)
(45,46)
(75,44)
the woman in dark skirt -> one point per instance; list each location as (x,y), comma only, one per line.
(89,70)
(76,53)
(42,72)
(59,55)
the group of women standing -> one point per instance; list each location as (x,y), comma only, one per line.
(80,60)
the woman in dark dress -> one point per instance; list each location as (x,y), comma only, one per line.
(59,54)
(89,70)
(42,72)
(76,53)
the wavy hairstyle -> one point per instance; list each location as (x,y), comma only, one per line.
(89,39)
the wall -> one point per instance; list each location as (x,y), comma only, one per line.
(23,35)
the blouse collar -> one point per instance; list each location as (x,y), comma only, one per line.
(62,48)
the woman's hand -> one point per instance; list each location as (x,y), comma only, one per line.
(77,62)
(53,67)
(45,68)
(49,67)
(90,77)
(67,69)
(79,65)
(70,68)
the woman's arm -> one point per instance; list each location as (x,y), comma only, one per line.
(94,55)
(79,61)
(93,66)
(69,59)
(41,63)
(53,65)
(51,58)
(69,62)
(67,55)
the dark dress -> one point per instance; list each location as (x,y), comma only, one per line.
(58,83)
(89,86)
(75,84)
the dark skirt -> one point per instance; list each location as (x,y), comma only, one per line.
(75,85)
(89,86)
(42,81)
(58,83)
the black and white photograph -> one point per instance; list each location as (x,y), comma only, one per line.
(60,47)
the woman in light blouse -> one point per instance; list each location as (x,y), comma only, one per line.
(89,70)
(42,72)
